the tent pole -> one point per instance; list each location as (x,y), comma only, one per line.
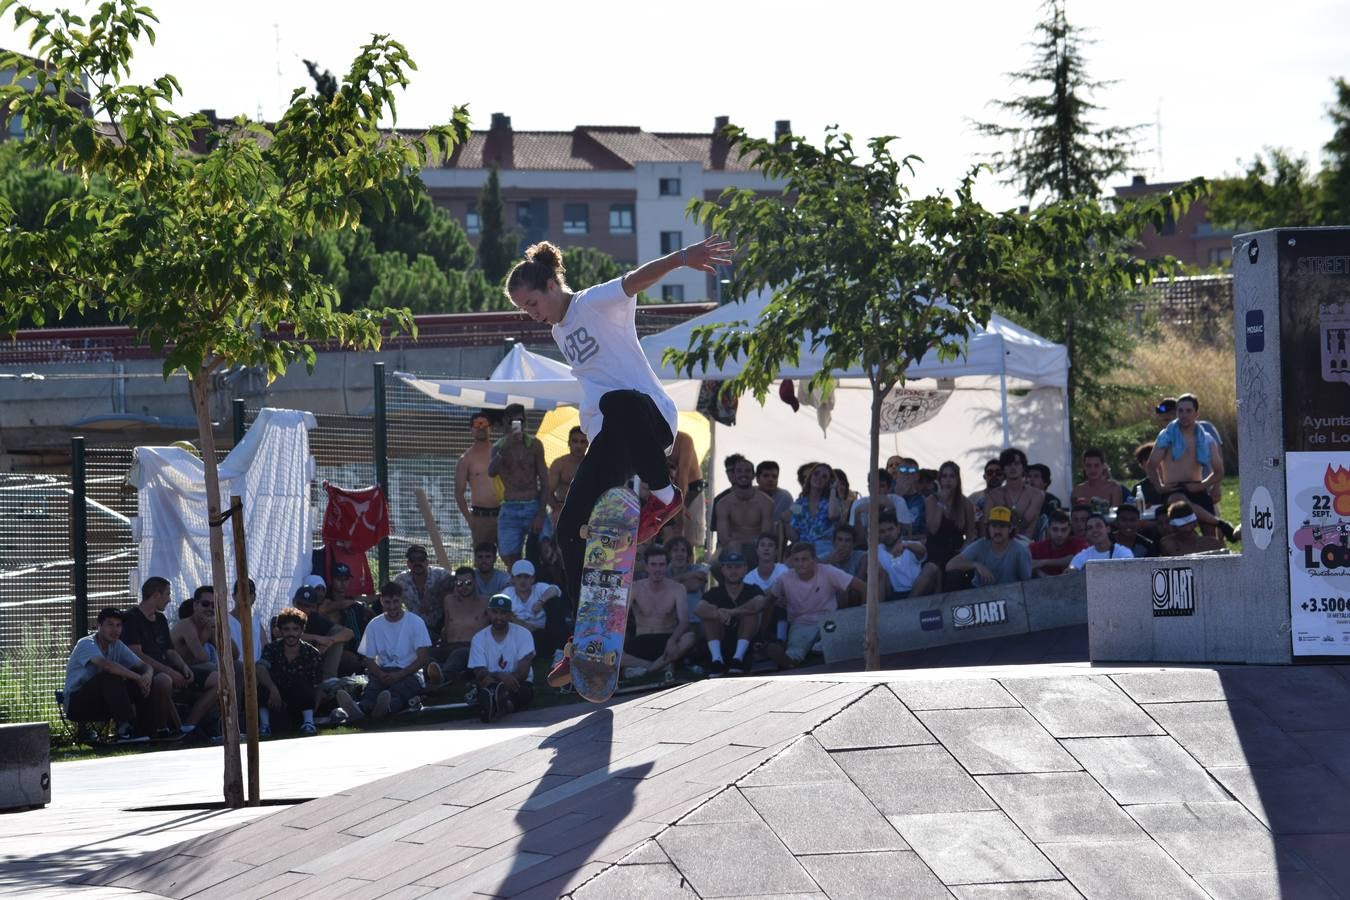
(1003,389)
(710,489)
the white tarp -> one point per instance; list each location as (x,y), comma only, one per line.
(271,470)
(534,381)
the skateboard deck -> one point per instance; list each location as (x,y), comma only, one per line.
(606,579)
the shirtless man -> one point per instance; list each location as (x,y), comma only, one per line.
(1183,536)
(744,514)
(1015,493)
(190,636)
(1180,454)
(518,459)
(465,614)
(661,614)
(1099,491)
(563,470)
(480,509)
(687,475)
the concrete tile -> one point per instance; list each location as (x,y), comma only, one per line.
(997,741)
(423,781)
(1265,885)
(1018,890)
(725,808)
(182,876)
(824,818)
(874,876)
(1209,838)
(972,847)
(877,719)
(1291,799)
(923,779)
(1330,748)
(803,762)
(1080,706)
(1137,870)
(1144,769)
(1297,698)
(761,864)
(1231,733)
(1061,806)
(1173,686)
(563,884)
(813,697)
(952,693)
(659,881)
(650,852)
(1326,854)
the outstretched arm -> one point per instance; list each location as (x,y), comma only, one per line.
(705,256)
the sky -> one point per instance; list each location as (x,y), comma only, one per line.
(1212,83)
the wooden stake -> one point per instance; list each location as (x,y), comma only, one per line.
(425,505)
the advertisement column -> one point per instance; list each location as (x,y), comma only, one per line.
(1319,561)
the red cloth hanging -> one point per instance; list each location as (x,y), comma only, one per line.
(354,521)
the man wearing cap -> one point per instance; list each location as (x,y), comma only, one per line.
(424,587)
(1100,545)
(328,637)
(518,460)
(733,604)
(529,602)
(1183,535)
(500,656)
(996,559)
(482,505)
(395,647)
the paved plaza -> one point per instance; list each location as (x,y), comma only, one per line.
(1019,781)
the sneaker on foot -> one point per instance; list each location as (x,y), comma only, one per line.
(487,708)
(779,655)
(561,673)
(383,701)
(668,674)
(308,728)
(415,704)
(471,695)
(349,707)
(502,701)
(633,672)
(716,669)
(125,733)
(435,677)
(264,731)
(737,666)
(656,514)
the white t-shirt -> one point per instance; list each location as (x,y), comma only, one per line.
(394,645)
(903,514)
(599,341)
(759,581)
(902,569)
(501,656)
(524,609)
(262,635)
(1085,556)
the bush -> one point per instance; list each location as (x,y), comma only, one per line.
(29,675)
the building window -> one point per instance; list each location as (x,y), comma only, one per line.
(1169,226)
(532,220)
(576,218)
(1220,256)
(671,241)
(472,223)
(15,126)
(670,187)
(672,293)
(621,218)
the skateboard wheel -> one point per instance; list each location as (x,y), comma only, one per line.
(585,531)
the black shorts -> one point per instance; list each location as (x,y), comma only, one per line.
(647,646)
(201,672)
(1202,499)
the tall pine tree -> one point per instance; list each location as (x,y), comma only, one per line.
(497,245)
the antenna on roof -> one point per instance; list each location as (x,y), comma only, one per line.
(1158,126)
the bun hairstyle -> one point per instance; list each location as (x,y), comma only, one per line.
(542,261)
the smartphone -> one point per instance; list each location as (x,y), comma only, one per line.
(516,426)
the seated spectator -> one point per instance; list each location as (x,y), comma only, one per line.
(338,604)
(907,490)
(1078,517)
(949,517)
(106,680)
(465,614)
(327,636)
(548,568)
(743,514)
(1146,491)
(692,575)
(1038,476)
(904,563)
(766,479)
(1183,536)
(424,587)
(1024,500)
(1052,554)
(846,554)
(1100,545)
(815,513)
(262,628)
(500,656)
(1127,532)
(294,669)
(993,477)
(728,466)
(490,579)
(732,605)
(996,559)
(396,647)
(843,493)
(767,568)
(529,604)
(1166,411)
(1187,459)
(1099,492)
(927,483)
(881,486)
(808,592)
(660,609)
(145,631)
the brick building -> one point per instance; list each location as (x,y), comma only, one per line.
(616,188)
(1191,239)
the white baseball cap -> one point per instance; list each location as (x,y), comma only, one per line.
(522,567)
(314,581)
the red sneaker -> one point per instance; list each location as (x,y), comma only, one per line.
(560,674)
(656,514)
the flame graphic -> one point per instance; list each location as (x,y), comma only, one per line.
(1338,482)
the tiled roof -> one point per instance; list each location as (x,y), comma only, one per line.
(590,148)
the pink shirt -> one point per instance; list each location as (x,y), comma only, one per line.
(809,601)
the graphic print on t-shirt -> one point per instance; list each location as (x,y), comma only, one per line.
(580,346)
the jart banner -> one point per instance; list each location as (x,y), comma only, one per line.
(1319,560)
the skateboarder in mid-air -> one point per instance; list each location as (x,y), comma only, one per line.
(625,412)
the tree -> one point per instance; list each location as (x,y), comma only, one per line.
(869,276)
(1276,191)
(497,244)
(1059,151)
(1336,174)
(200,252)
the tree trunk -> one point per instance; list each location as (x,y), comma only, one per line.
(229,724)
(871,625)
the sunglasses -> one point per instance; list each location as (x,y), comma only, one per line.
(464,582)
(908,470)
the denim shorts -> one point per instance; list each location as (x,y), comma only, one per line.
(513,525)
(801,638)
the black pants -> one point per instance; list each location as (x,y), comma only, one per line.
(108,696)
(520,698)
(632,441)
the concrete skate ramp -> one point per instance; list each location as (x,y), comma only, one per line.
(1046,781)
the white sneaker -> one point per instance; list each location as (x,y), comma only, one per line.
(633,672)
(348,706)
(382,703)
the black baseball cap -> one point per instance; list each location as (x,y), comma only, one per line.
(306,596)
(1166,405)
(732,558)
(342,570)
(499,601)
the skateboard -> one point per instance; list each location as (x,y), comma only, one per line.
(606,579)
